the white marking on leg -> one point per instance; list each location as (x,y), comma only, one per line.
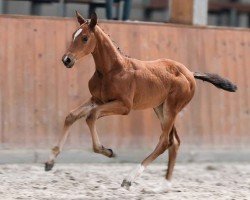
(52,156)
(77,33)
(135,173)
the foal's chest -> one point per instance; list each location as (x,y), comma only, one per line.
(105,88)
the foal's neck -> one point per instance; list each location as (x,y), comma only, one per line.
(106,55)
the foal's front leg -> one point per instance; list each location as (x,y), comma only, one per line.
(79,112)
(111,108)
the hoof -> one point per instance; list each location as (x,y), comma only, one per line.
(107,152)
(112,154)
(49,166)
(126,184)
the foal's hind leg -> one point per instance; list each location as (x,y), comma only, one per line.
(165,185)
(168,117)
(73,116)
(174,144)
(172,153)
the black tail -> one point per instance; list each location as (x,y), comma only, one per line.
(217,81)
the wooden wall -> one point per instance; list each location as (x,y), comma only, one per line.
(37,91)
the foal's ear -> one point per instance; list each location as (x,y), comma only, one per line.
(80,19)
(93,21)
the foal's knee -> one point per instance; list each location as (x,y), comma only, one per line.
(70,119)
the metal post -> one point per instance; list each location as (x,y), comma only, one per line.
(200,12)
(92,8)
(126,9)
(248,20)
(117,13)
(3,7)
(233,18)
(62,8)
(35,8)
(109,7)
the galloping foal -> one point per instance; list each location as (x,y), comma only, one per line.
(120,84)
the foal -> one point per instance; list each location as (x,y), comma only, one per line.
(120,84)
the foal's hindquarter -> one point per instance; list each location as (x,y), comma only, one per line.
(120,84)
(167,86)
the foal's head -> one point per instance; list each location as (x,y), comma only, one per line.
(83,40)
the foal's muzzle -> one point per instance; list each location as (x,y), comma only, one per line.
(68,61)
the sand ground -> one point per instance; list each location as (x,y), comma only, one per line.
(191,181)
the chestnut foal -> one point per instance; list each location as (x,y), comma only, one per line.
(120,84)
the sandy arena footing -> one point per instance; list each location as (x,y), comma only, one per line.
(191,181)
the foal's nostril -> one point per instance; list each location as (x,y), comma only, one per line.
(67,60)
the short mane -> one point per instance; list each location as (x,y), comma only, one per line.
(118,48)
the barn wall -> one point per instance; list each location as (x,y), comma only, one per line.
(37,91)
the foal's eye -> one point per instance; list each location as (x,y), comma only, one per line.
(85,39)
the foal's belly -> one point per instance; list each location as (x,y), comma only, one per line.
(149,93)
(142,104)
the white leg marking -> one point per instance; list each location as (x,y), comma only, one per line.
(77,33)
(133,175)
